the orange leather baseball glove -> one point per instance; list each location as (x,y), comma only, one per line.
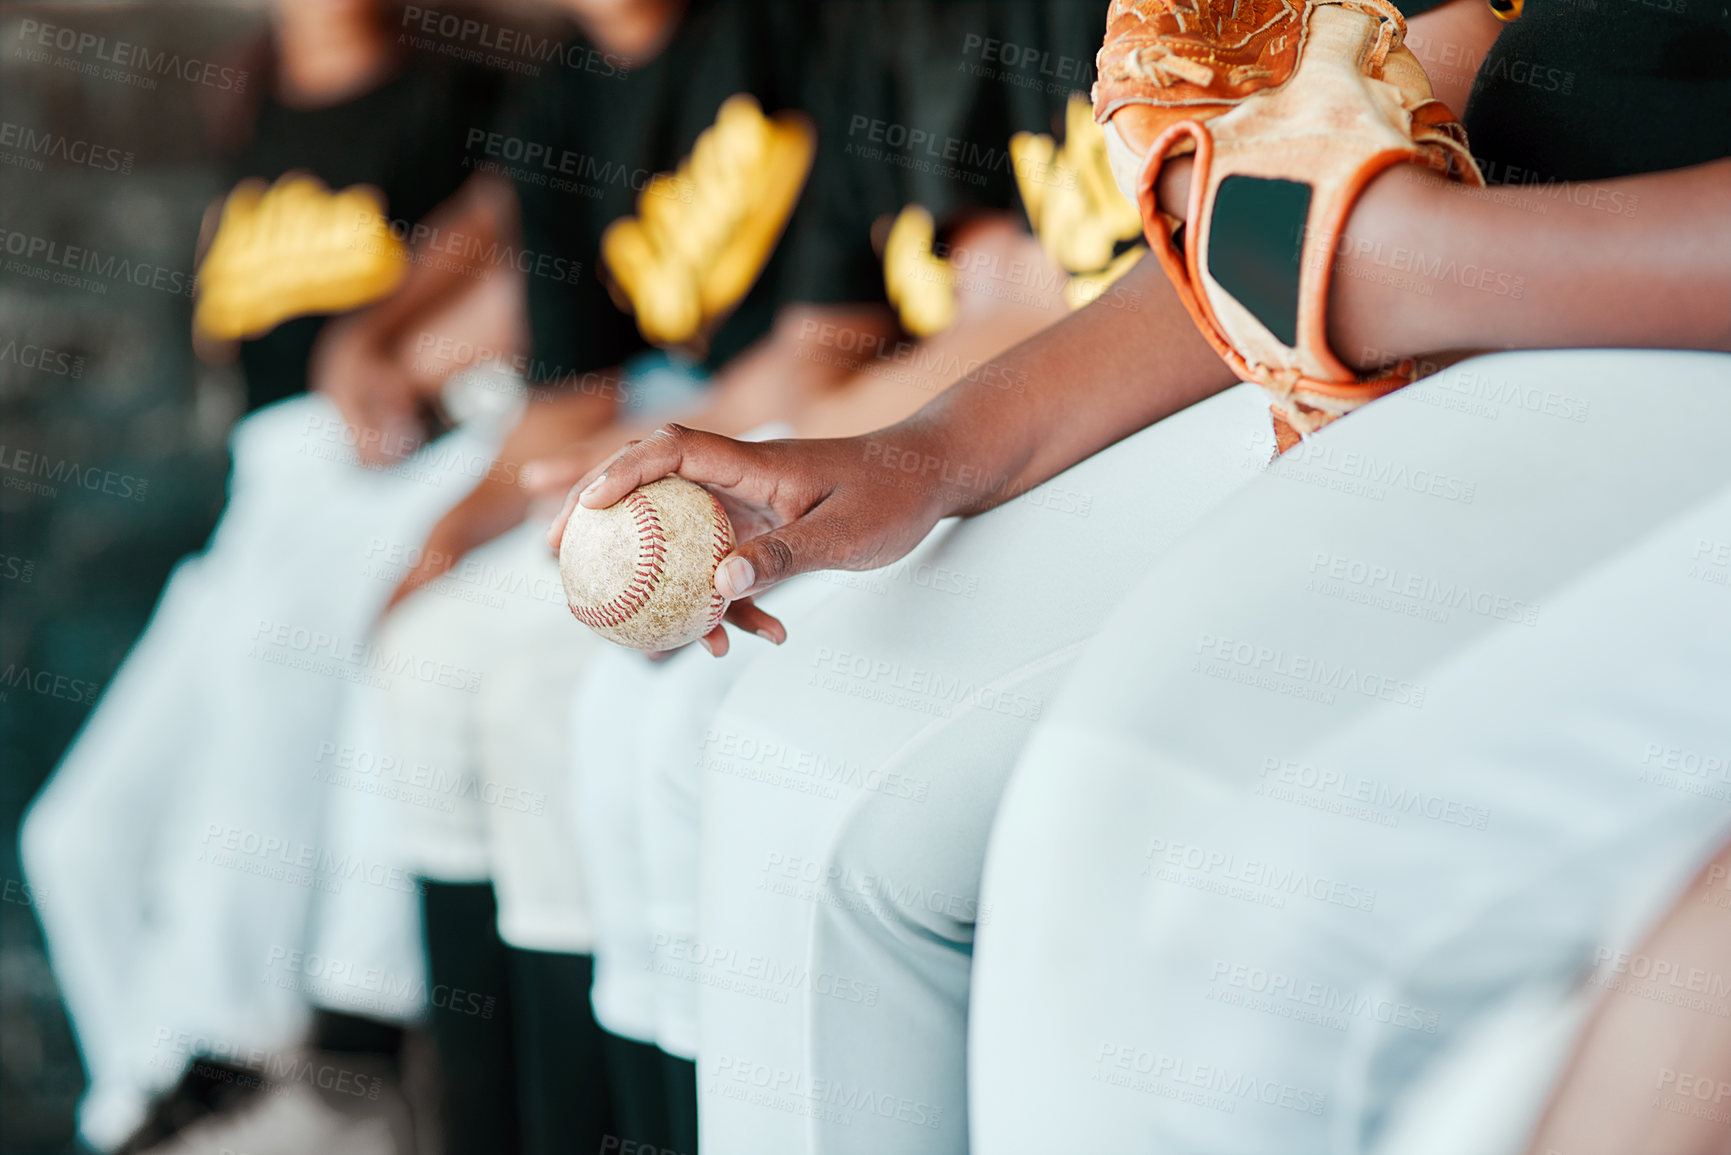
(1291,107)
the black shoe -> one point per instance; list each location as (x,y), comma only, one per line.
(208,1086)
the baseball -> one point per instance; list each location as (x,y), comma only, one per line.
(642,571)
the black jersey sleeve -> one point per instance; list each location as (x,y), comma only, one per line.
(405,136)
(1592,89)
(568,187)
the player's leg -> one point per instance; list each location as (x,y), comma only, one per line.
(242,855)
(364,967)
(171,727)
(367,939)
(531,656)
(87,841)
(1651,1074)
(93,835)
(852,773)
(677,737)
(1362,762)
(562,1091)
(428,735)
(687,689)
(1641,1044)
(607,719)
(473,1018)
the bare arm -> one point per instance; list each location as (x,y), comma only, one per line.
(1645,1072)
(1641,262)
(363,361)
(1428,269)
(1427,266)
(578,420)
(1118,365)
(846,503)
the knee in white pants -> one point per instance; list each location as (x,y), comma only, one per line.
(59,856)
(876,874)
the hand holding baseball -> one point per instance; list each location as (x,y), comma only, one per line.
(641,572)
(794,506)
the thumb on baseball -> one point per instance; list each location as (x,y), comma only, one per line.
(800,546)
(734,577)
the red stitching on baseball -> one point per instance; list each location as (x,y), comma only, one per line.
(651,557)
(722,544)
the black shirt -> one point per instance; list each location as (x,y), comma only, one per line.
(963,75)
(1591,89)
(405,136)
(580,144)
(916,102)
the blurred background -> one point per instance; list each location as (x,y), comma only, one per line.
(112,433)
(96,378)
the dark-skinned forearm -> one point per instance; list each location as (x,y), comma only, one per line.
(1097,376)
(1639,262)
(1425,267)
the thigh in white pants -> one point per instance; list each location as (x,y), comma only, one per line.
(1378,752)
(427,741)
(642,731)
(90,841)
(679,735)
(853,775)
(181,830)
(493,657)
(453,771)
(607,720)
(364,953)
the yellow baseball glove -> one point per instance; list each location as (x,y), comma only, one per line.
(291,249)
(702,234)
(1073,205)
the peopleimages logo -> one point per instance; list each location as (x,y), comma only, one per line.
(1119,1064)
(1269,883)
(1064,73)
(42,359)
(801,1093)
(79,259)
(428,243)
(33,145)
(465,38)
(48,684)
(923,150)
(19,464)
(1321,462)
(1276,663)
(1257,988)
(1325,782)
(37,35)
(1332,573)
(535,162)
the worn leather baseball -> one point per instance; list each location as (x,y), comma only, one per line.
(642,571)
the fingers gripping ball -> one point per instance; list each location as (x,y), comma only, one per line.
(642,571)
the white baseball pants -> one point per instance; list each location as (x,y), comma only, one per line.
(645,731)
(1411,737)
(482,729)
(179,840)
(851,777)
(639,730)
